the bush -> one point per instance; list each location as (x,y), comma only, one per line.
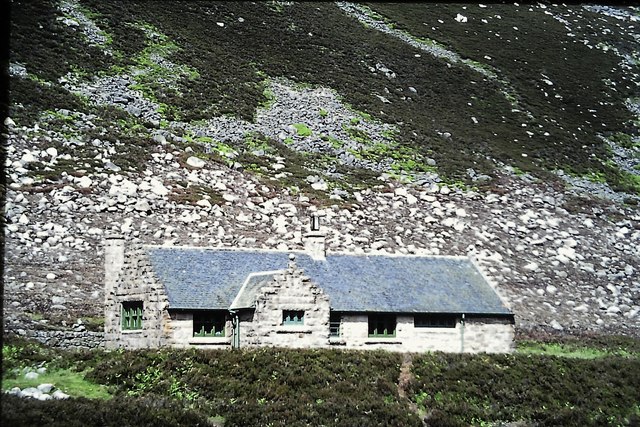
(544,389)
(152,411)
(270,386)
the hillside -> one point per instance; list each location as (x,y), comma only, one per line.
(505,132)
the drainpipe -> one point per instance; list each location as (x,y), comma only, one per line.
(235,324)
(462,334)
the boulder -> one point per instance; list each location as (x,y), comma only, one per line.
(195,162)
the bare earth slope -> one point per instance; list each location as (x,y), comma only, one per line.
(507,133)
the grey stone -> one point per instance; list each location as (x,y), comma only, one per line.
(31,375)
(45,388)
(142,205)
(196,162)
(59,395)
(58,300)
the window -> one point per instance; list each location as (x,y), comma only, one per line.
(334,324)
(131,315)
(209,324)
(435,321)
(292,317)
(382,325)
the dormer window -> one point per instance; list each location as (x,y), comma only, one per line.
(292,317)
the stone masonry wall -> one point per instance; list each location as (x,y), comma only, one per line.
(488,335)
(61,339)
(135,282)
(478,335)
(291,290)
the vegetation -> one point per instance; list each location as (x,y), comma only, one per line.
(587,381)
(230,77)
(302,129)
(526,55)
(538,389)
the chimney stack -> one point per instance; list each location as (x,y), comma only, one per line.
(113,262)
(314,240)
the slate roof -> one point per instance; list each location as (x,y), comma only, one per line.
(200,278)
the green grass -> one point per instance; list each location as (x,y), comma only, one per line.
(71,382)
(302,129)
(571,350)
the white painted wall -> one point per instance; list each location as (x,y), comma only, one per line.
(475,336)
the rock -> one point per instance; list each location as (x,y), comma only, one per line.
(195,162)
(379,244)
(24,220)
(142,206)
(158,188)
(51,276)
(204,203)
(229,197)
(112,166)
(556,325)
(9,122)
(551,289)
(52,152)
(613,309)
(84,182)
(45,388)
(28,158)
(58,300)
(159,138)
(126,188)
(321,186)
(31,376)
(568,252)
(59,395)
(582,308)
(532,266)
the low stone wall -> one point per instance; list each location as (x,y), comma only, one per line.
(61,339)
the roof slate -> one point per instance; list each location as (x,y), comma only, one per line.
(201,278)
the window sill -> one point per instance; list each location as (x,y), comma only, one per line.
(293,330)
(210,341)
(131,331)
(383,341)
(337,341)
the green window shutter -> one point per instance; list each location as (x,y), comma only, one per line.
(131,315)
(139,312)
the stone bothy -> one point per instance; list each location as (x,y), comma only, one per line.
(226,298)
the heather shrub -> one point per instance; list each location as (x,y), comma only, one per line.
(547,390)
